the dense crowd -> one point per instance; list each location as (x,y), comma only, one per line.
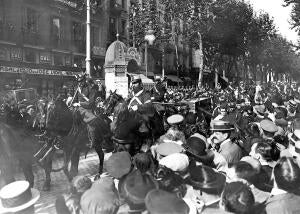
(244,159)
(247,161)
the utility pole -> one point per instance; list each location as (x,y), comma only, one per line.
(88,38)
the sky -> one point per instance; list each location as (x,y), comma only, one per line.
(280,14)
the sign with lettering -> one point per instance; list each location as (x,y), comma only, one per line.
(38,71)
(45,57)
(16,54)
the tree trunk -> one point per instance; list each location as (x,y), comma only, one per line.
(201,60)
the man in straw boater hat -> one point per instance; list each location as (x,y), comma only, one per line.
(220,140)
(17,197)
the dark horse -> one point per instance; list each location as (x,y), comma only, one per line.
(68,124)
(132,130)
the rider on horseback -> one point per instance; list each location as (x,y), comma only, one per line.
(158,91)
(141,99)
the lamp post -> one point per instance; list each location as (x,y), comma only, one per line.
(88,38)
(149,37)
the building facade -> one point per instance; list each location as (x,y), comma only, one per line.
(43,42)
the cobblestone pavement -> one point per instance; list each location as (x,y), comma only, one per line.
(59,183)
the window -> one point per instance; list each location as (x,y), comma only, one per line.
(58,59)
(30,56)
(123,31)
(77,31)
(31,24)
(56,28)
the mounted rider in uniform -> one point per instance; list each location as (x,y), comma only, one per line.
(158,91)
(141,99)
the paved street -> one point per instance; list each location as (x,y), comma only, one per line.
(59,183)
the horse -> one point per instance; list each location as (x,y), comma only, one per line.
(145,127)
(17,144)
(68,124)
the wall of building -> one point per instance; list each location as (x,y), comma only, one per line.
(50,34)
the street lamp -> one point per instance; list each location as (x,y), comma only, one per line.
(149,37)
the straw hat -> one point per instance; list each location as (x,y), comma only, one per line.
(17,196)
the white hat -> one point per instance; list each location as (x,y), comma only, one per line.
(175,119)
(17,196)
(177,162)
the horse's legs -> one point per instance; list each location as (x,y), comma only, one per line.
(98,149)
(74,156)
(67,156)
(28,171)
(48,169)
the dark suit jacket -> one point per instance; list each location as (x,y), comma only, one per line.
(283,204)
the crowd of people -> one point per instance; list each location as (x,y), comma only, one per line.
(246,162)
(245,159)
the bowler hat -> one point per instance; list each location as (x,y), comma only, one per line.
(219,125)
(161,202)
(118,164)
(135,186)
(205,178)
(17,196)
(196,147)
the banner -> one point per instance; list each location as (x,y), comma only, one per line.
(36,71)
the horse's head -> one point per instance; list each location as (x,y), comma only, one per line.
(58,115)
(111,102)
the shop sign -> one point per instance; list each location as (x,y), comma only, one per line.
(16,54)
(39,71)
(45,58)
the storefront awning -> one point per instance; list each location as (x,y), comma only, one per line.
(173,78)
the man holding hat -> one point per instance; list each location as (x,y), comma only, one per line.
(140,97)
(220,140)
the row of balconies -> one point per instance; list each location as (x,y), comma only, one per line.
(37,39)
